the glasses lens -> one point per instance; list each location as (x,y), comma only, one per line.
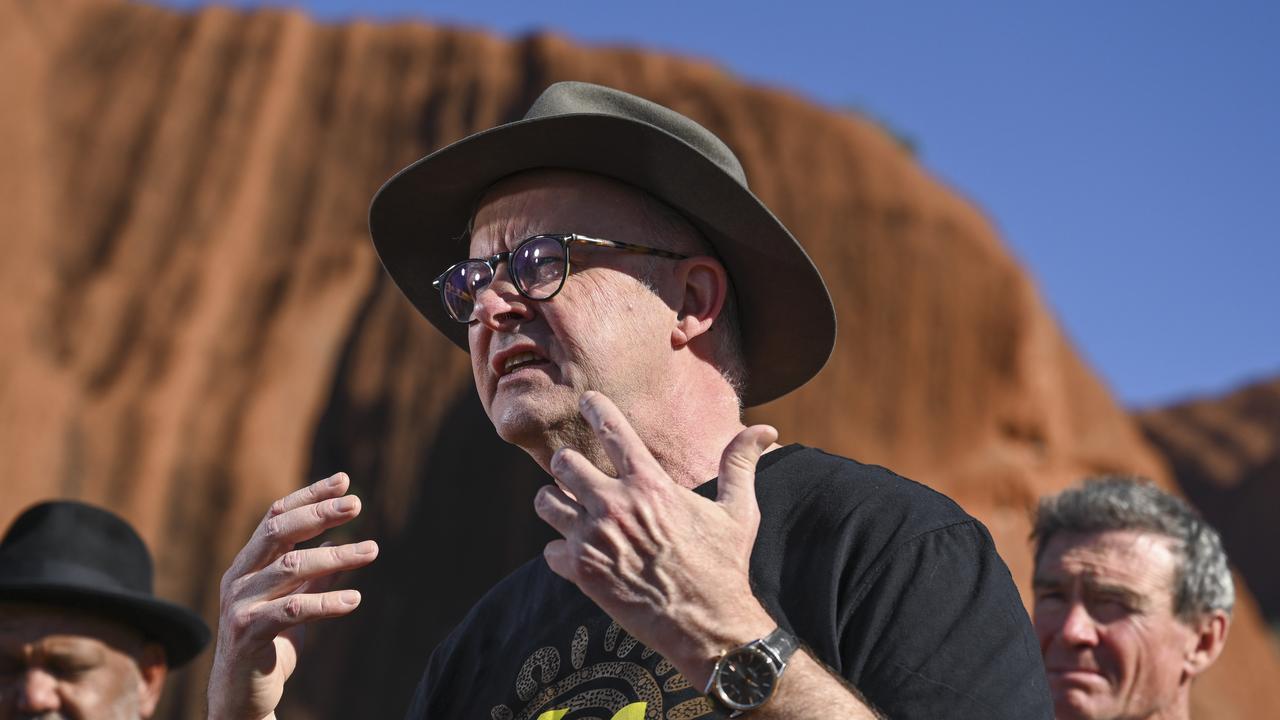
(538,265)
(461,285)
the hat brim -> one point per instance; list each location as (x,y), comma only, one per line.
(182,633)
(787,320)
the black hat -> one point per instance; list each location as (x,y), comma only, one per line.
(72,555)
(788,322)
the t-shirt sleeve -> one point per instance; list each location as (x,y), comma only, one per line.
(939,631)
(428,701)
(420,707)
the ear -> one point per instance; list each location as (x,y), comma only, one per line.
(152,671)
(1205,645)
(704,284)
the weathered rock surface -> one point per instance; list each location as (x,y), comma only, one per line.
(1225,455)
(194,322)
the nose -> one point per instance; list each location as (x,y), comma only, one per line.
(37,692)
(1078,627)
(500,305)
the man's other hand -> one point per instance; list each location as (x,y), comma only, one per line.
(670,566)
(271,592)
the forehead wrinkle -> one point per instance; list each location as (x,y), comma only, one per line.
(72,646)
(1094,572)
(559,201)
(500,232)
(1098,578)
(503,220)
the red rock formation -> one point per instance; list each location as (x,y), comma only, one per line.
(1225,455)
(194,322)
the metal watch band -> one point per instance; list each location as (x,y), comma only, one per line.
(781,645)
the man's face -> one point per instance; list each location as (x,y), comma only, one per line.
(604,331)
(1112,646)
(56,664)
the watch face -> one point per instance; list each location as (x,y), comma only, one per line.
(745,678)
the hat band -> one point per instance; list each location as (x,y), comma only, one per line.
(27,572)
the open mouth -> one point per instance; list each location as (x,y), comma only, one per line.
(521,360)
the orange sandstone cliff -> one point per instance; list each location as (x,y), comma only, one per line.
(194,321)
(1225,455)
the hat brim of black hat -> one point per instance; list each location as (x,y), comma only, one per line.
(182,633)
(787,320)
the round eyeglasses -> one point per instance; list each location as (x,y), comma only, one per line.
(537,266)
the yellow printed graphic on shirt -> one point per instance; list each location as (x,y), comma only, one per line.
(630,682)
(634,711)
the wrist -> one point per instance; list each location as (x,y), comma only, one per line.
(697,664)
(747,677)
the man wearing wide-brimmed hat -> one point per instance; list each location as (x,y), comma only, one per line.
(81,634)
(626,295)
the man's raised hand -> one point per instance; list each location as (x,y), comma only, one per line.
(272,590)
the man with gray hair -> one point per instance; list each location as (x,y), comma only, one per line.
(623,295)
(1133,599)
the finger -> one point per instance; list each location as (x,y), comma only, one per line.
(576,562)
(582,479)
(737,482)
(556,553)
(621,443)
(293,569)
(267,620)
(277,533)
(558,510)
(297,635)
(331,487)
(322,583)
(306,522)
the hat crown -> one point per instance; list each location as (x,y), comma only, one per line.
(80,538)
(579,98)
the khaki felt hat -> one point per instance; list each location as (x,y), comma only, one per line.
(417,219)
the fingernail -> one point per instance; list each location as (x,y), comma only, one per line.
(350,597)
(366,548)
(335,479)
(345,504)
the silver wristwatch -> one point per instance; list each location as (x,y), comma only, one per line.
(745,677)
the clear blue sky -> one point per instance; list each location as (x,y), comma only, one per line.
(1128,151)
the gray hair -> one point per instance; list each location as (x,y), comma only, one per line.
(1202,579)
(676,232)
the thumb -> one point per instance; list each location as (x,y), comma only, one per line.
(737,483)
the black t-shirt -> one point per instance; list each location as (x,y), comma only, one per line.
(889,583)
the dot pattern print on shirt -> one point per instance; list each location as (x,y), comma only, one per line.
(603,681)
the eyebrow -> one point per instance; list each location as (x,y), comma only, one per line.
(1043,580)
(67,648)
(1092,587)
(1121,592)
